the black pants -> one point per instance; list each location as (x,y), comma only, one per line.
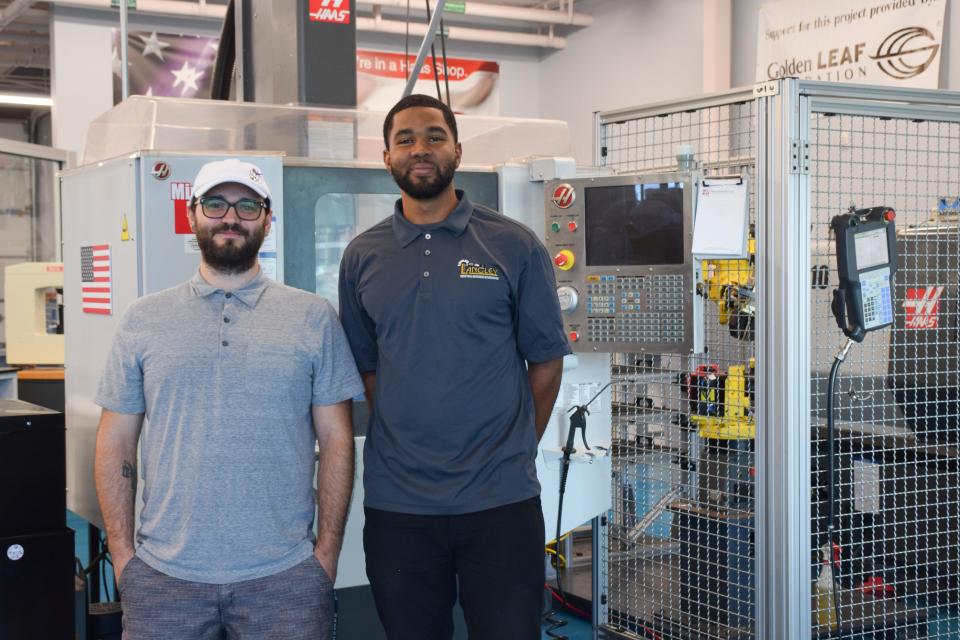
(416,564)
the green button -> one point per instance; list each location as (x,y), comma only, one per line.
(555,227)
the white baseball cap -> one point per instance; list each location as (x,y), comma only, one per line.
(230,170)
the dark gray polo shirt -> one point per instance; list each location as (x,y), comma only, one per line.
(446,315)
(227,381)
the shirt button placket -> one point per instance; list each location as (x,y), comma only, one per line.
(425,263)
(224,342)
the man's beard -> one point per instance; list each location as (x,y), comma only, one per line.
(424,189)
(231,257)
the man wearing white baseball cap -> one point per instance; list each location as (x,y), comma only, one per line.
(238,377)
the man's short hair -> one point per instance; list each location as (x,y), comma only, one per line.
(419,100)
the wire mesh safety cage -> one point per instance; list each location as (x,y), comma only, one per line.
(897,501)
(678,558)
(682,553)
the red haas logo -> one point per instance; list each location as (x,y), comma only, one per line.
(161,171)
(923,306)
(564,196)
(336,11)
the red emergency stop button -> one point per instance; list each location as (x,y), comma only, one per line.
(572,226)
(574,336)
(889,215)
(564,260)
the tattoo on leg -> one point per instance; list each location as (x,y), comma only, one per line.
(129,471)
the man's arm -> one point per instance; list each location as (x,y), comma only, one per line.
(369,384)
(545,384)
(115,474)
(334,429)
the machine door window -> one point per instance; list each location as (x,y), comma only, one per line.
(339,218)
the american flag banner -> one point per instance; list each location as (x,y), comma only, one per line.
(165,64)
(96,288)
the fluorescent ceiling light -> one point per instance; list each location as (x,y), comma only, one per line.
(32,101)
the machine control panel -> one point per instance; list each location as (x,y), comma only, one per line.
(866,261)
(621,253)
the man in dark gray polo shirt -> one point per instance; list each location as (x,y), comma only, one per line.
(452,314)
(239,378)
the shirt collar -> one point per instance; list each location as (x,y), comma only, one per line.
(455,223)
(248,294)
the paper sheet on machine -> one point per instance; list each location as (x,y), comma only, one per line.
(722,218)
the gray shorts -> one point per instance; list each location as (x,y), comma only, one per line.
(293,604)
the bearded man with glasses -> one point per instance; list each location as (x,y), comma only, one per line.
(239,377)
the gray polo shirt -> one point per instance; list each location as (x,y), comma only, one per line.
(447,315)
(226,381)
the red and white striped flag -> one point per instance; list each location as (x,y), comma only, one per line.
(96,289)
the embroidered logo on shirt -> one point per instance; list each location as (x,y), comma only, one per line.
(474,270)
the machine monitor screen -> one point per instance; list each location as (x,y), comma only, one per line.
(636,224)
(871,248)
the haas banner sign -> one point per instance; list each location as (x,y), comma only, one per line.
(891,42)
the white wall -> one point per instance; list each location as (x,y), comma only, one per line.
(744,55)
(81,80)
(745,44)
(636,52)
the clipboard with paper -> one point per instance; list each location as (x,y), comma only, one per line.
(722,220)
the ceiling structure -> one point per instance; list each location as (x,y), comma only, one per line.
(25,27)
(24,47)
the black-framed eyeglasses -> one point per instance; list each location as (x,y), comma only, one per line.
(216,207)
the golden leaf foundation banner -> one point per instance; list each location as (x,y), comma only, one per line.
(474,84)
(892,42)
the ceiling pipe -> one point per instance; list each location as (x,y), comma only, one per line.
(503,12)
(464,33)
(370,24)
(14,10)
(477,9)
(27,61)
(24,38)
(166,7)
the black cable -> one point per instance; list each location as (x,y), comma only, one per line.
(577,421)
(831,480)
(550,617)
(433,55)
(406,45)
(103,571)
(446,69)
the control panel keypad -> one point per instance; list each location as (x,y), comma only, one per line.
(636,309)
(877,305)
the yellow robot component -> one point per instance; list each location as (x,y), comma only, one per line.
(720,276)
(735,423)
